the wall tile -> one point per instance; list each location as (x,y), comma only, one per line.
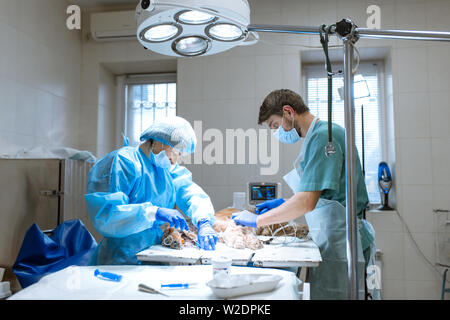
(291,72)
(440,148)
(269,75)
(393,289)
(438,68)
(216,78)
(44,106)
(8,104)
(422,290)
(244,113)
(409,15)
(26,114)
(439,114)
(392,246)
(437,13)
(416,267)
(413,114)
(295,13)
(415,166)
(9,41)
(191,110)
(242,77)
(190,78)
(441,199)
(221,196)
(418,208)
(385,221)
(412,64)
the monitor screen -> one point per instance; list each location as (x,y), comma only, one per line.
(262,192)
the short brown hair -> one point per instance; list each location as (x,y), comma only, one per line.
(274,102)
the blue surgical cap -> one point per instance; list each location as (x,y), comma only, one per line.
(175,132)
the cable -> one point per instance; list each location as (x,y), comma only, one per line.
(292,234)
(417,246)
(355,69)
(329,148)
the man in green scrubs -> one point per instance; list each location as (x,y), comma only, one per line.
(319,185)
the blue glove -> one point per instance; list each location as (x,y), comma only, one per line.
(207,237)
(268,205)
(173,217)
(245,218)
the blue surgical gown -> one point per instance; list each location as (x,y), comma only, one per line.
(121,187)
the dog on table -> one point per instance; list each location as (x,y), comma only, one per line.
(280,229)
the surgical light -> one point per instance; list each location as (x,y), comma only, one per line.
(185,28)
(194,17)
(224,32)
(160,33)
(191,46)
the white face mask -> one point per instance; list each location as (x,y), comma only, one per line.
(162,160)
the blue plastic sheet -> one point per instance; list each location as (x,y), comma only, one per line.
(69,244)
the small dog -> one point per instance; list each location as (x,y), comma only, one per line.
(177,239)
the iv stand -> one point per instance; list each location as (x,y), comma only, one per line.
(350,33)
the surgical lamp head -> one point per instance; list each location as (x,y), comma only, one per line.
(184,28)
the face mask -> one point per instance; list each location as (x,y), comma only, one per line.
(162,160)
(288,137)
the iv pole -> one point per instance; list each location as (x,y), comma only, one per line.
(350,33)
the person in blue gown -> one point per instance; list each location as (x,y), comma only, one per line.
(132,191)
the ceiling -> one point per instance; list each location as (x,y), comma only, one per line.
(97,3)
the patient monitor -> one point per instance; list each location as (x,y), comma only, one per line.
(259,192)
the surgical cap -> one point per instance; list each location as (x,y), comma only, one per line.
(175,132)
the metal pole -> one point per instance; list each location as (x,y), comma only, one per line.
(283,29)
(360,32)
(403,34)
(350,167)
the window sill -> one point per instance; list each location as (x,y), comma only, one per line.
(377,211)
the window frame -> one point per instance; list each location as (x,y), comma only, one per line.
(380,73)
(145,79)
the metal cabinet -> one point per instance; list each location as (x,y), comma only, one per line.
(42,191)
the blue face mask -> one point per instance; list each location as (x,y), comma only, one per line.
(288,137)
(162,160)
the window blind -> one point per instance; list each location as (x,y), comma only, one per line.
(316,98)
(147,102)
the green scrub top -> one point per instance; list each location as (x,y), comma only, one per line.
(327,174)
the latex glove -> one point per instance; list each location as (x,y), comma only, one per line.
(268,205)
(245,218)
(207,237)
(173,217)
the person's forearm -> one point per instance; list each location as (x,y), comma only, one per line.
(298,205)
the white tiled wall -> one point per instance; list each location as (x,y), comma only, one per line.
(226,90)
(39,76)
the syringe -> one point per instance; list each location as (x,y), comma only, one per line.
(179,285)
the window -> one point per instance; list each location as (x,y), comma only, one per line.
(316,98)
(148,98)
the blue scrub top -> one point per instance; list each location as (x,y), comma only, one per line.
(327,174)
